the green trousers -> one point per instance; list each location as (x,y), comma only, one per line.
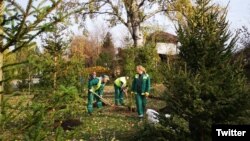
(141,102)
(118,96)
(91,98)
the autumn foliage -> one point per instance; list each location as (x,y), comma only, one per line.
(99,70)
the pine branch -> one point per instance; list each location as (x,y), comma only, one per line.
(14,64)
(19,7)
(25,15)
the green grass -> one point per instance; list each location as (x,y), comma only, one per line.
(107,123)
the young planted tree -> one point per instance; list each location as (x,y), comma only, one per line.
(55,44)
(59,64)
(107,54)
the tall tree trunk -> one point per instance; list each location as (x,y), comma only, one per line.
(135,23)
(1,82)
(137,36)
(1,54)
(55,74)
(30,79)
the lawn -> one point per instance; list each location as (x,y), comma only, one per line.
(107,123)
(117,123)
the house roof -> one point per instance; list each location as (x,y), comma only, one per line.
(161,36)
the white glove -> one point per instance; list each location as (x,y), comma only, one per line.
(133,93)
(91,90)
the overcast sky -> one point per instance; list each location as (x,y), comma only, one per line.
(238,12)
(238,16)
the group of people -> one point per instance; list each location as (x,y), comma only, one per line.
(140,89)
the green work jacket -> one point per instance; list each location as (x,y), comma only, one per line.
(145,83)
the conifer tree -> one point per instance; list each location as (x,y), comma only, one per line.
(18,29)
(21,24)
(209,87)
(107,52)
(55,44)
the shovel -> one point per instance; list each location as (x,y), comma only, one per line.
(103,100)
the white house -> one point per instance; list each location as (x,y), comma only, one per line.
(167,48)
(165,43)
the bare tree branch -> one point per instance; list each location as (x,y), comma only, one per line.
(116,13)
(149,15)
(141,3)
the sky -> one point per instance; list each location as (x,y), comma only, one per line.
(238,12)
(238,16)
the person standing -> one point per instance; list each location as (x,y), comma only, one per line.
(120,85)
(92,76)
(141,88)
(96,85)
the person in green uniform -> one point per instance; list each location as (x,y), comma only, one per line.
(96,85)
(120,85)
(140,88)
